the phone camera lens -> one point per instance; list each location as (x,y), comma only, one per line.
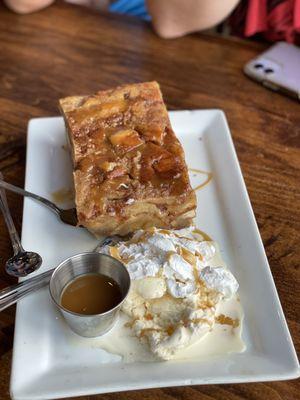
(269,71)
(258,66)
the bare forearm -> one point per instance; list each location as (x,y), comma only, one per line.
(27,6)
(174,18)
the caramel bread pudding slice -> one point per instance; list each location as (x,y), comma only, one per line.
(129,167)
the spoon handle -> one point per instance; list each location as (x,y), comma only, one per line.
(10,295)
(15,240)
(25,193)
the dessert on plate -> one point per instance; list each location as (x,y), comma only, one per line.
(129,167)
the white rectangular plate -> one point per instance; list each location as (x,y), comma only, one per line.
(49,361)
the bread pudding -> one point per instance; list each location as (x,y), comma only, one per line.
(129,167)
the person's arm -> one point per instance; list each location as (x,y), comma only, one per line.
(27,6)
(175,18)
(30,6)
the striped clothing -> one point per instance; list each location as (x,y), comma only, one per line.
(131,7)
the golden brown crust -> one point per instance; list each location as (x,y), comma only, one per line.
(129,168)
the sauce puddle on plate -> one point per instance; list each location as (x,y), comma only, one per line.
(63,195)
(91,294)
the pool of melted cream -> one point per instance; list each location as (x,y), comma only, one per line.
(225,337)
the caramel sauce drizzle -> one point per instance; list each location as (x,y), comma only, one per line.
(206,237)
(114,252)
(206,182)
(224,320)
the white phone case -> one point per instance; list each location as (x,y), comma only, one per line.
(277,69)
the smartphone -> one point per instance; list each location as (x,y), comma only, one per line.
(277,69)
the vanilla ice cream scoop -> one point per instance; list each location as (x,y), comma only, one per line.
(177,285)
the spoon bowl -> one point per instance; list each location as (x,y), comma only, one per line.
(23,263)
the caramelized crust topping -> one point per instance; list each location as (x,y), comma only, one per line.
(125,154)
(125,140)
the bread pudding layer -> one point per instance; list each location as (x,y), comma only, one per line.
(181,291)
(129,167)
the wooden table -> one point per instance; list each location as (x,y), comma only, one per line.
(70,50)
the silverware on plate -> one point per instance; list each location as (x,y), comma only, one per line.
(22,262)
(68,216)
(10,295)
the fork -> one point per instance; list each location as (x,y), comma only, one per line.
(68,216)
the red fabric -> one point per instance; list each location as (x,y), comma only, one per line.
(256,17)
(274,19)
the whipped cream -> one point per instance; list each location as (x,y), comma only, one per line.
(220,279)
(177,285)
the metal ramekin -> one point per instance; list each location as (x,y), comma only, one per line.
(84,263)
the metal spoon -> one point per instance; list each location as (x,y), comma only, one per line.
(22,262)
(10,295)
(67,216)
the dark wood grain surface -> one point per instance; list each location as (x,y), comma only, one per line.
(70,50)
